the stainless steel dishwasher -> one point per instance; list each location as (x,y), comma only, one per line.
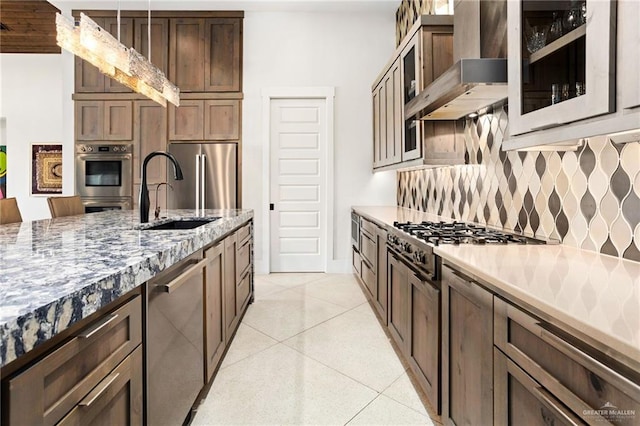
(175,355)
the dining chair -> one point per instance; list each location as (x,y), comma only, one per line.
(65,206)
(9,211)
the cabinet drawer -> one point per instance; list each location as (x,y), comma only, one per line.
(244,233)
(115,400)
(242,294)
(243,258)
(356,261)
(369,278)
(569,372)
(368,227)
(369,250)
(46,392)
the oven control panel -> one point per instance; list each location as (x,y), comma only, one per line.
(102,149)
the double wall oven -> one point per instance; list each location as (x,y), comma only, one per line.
(104,176)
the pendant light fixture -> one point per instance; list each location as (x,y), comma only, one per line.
(124,64)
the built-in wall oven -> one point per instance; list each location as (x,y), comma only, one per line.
(104,176)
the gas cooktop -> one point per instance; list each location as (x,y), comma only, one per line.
(438,233)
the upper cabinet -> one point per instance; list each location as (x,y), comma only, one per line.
(205,54)
(573,70)
(561,62)
(424,54)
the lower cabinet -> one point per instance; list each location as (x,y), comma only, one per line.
(213,308)
(381,294)
(541,374)
(398,282)
(230,312)
(95,376)
(424,335)
(467,350)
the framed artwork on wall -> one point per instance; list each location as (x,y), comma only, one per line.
(46,169)
(3,171)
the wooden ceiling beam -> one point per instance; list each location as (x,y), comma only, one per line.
(30,27)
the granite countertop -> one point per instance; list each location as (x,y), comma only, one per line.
(598,295)
(55,272)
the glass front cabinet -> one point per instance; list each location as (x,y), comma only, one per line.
(561,62)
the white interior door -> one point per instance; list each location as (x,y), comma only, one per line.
(298,144)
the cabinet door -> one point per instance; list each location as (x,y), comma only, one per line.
(377,162)
(88,79)
(437,52)
(444,142)
(221,119)
(126,38)
(399,301)
(150,135)
(393,87)
(159,41)
(214,295)
(118,120)
(380,301)
(382,114)
(411,71)
(187,54)
(116,400)
(222,64)
(230,287)
(424,344)
(89,120)
(628,53)
(467,356)
(186,122)
(521,400)
(583,54)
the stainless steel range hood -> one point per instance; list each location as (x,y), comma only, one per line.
(479,77)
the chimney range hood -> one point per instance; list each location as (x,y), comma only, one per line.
(479,76)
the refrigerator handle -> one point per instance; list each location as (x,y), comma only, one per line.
(197,181)
(203,176)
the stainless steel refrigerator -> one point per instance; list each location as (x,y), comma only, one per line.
(210,176)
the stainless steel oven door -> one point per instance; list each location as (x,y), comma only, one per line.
(104,175)
(93,205)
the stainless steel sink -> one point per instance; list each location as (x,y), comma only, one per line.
(180,224)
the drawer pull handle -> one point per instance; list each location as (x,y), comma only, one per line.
(624,384)
(184,276)
(549,400)
(97,327)
(96,393)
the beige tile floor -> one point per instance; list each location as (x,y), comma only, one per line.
(310,351)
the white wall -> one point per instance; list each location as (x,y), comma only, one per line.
(31,88)
(289,49)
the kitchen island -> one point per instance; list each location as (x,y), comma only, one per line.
(55,272)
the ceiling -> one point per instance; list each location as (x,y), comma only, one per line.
(28,27)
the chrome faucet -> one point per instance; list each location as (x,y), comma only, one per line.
(156,212)
(144,191)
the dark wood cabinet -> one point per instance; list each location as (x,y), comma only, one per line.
(186,122)
(80,373)
(205,120)
(398,281)
(244,274)
(104,120)
(467,350)
(150,134)
(159,41)
(187,53)
(424,342)
(559,373)
(230,286)
(214,296)
(382,289)
(223,55)
(89,79)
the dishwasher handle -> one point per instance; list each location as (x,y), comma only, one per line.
(178,281)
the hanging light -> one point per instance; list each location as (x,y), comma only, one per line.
(125,65)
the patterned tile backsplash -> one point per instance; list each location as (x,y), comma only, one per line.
(408,12)
(589,198)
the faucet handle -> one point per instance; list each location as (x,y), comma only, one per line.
(157,209)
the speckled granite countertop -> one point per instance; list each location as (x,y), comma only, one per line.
(598,295)
(55,272)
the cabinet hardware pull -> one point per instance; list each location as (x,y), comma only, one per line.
(97,327)
(549,400)
(97,393)
(546,126)
(626,385)
(184,276)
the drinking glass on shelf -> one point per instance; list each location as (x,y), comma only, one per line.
(565,91)
(536,39)
(583,13)
(579,88)
(555,93)
(555,31)
(571,19)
